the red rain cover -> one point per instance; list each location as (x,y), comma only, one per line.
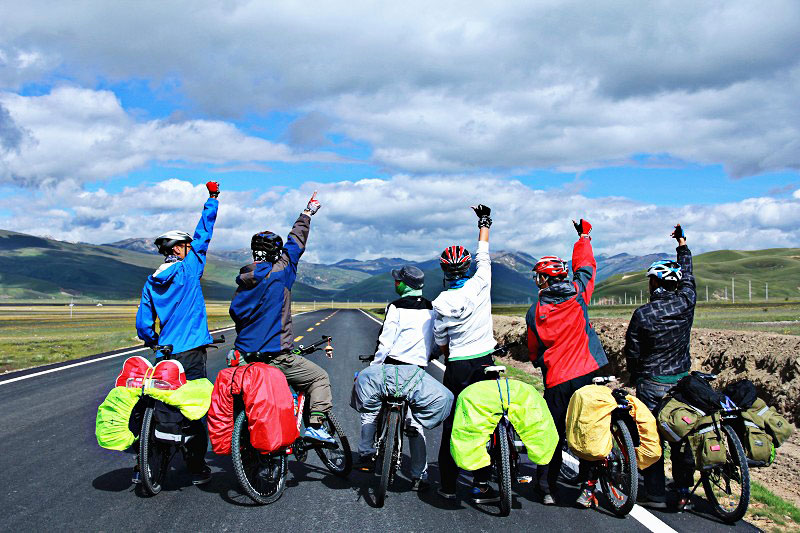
(268,404)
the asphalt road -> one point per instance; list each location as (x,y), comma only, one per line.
(53,475)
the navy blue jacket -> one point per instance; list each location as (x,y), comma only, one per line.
(262,305)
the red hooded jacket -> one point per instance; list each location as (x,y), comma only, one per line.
(560,338)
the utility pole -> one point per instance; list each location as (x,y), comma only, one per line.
(733,290)
(750,290)
(726,293)
(706,293)
(766,291)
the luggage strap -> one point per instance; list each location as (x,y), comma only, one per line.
(402,390)
(508,396)
(763,410)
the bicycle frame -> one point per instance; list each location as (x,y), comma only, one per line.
(392,403)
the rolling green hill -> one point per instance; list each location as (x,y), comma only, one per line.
(779,268)
(35,267)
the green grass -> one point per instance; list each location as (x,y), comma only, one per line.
(525,377)
(773,508)
(778,267)
(32,336)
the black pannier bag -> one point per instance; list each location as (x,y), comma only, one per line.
(742,392)
(697,392)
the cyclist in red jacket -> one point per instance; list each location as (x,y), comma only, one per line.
(562,342)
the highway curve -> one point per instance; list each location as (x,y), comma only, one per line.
(54,476)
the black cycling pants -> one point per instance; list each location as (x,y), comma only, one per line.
(194,364)
(457,377)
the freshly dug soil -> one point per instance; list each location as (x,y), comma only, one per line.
(771,361)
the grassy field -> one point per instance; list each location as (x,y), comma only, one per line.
(39,335)
(775,317)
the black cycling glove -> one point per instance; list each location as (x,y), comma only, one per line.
(582,227)
(678,233)
(483,212)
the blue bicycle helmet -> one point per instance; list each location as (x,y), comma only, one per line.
(665,270)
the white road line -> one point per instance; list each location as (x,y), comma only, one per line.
(73,365)
(639,513)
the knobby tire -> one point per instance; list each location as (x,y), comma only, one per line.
(248,462)
(153,459)
(735,466)
(503,465)
(328,456)
(629,482)
(387,461)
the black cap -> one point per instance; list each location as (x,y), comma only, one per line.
(410,275)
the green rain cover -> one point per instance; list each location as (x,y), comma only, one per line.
(193,398)
(478,410)
(111,425)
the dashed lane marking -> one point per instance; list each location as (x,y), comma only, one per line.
(310,329)
(298,338)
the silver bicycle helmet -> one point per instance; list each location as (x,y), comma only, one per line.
(166,241)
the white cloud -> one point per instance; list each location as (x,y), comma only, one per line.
(85,135)
(445,86)
(410,217)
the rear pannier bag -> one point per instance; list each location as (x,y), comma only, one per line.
(677,419)
(268,404)
(773,423)
(742,392)
(757,444)
(112,425)
(708,445)
(588,422)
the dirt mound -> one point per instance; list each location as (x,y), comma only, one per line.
(771,361)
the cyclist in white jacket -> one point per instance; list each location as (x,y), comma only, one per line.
(464,333)
(406,338)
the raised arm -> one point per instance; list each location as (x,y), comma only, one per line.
(584,266)
(483,262)
(196,258)
(687,286)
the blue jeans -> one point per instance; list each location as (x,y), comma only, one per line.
(650,393)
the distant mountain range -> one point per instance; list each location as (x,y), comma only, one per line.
(37,267)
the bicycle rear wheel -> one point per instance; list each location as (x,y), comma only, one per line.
(620,478)
(261,476)
(336,457)
(153,455)
(727,486)
(503,465)
(387,461)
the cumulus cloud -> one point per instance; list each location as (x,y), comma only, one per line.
(407,216)
(85,135)
(449,87)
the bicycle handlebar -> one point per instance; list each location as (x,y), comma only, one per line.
(306,350)
(166,349)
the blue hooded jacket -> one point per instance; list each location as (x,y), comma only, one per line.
(262,305)
(173,294)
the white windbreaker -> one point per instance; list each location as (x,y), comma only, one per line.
(464,316)
(407,333)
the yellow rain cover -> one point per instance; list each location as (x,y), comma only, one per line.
(478,410)
(589,422)
(193,398)
(649,449)
(111,424)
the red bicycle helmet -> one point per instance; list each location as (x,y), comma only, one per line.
(552,266)
(455,261)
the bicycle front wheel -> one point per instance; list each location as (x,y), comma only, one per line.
(153,455)
(503,465)
(727,486)
(337,456)
(387,463)
(261,476)
(620,478)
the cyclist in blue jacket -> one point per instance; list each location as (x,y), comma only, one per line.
(173,295)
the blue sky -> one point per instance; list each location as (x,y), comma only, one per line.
(694,116)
